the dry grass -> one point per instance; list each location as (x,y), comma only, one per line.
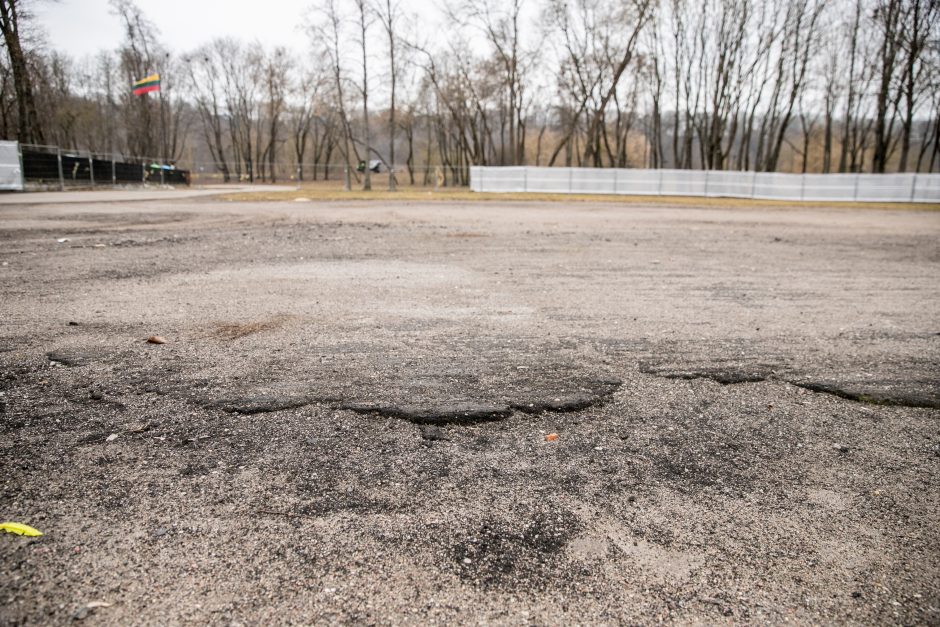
(333,191)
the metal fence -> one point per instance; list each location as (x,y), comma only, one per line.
(732,184)
(51,166)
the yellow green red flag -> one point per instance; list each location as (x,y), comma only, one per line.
(147,85)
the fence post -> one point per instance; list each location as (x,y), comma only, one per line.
(855,193)
(659,186)
(162,181)
(525,178)
(58,157)
(570,174)
(616,170)
(113,171)
(802,186)
(913,186)
(91,168)
(754,184)
(19,154)
(706,183)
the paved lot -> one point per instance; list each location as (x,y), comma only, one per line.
(107,195)
(348,420)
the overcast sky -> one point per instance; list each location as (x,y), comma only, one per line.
(83,27)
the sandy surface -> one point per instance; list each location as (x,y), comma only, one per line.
(347,422)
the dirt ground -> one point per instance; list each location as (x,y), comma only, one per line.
(348,420)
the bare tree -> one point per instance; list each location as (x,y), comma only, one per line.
(888,18)
(389,13)
(920,16)
(205,78)
(328,35)
(139,56)
(276,70)
(12,15)
(364,15)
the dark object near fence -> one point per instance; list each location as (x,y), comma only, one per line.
(375,165)
(170,175)
(65,168)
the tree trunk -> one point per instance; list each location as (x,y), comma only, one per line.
(29,129)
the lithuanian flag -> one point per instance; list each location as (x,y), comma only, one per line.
(147,85)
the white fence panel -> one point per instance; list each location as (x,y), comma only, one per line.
(762,185)
(11,173)
(592,181)
(926,188)
(720,183)
(681,182)
(637,182)
(775,186)
(830,186)
(888,187)
(554,180)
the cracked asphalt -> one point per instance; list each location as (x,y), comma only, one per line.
(348,420)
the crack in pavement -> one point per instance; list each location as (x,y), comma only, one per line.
(872,397)
(727,376)
(718,375)
(456,413)
(260,403)
(432,413)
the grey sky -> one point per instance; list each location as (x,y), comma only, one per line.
(83,27)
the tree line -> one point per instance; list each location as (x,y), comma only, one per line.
(767,85)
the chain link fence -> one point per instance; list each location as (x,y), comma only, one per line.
(50,167)
(208,173)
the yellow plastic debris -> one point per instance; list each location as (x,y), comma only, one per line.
(19,529)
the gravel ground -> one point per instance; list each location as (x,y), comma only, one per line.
(348,420)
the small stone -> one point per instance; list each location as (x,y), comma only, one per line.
(94,605)
(111,438)
(156,339)
(159,533)
(72,323)
(840,447)
(467,560)
(96,395)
